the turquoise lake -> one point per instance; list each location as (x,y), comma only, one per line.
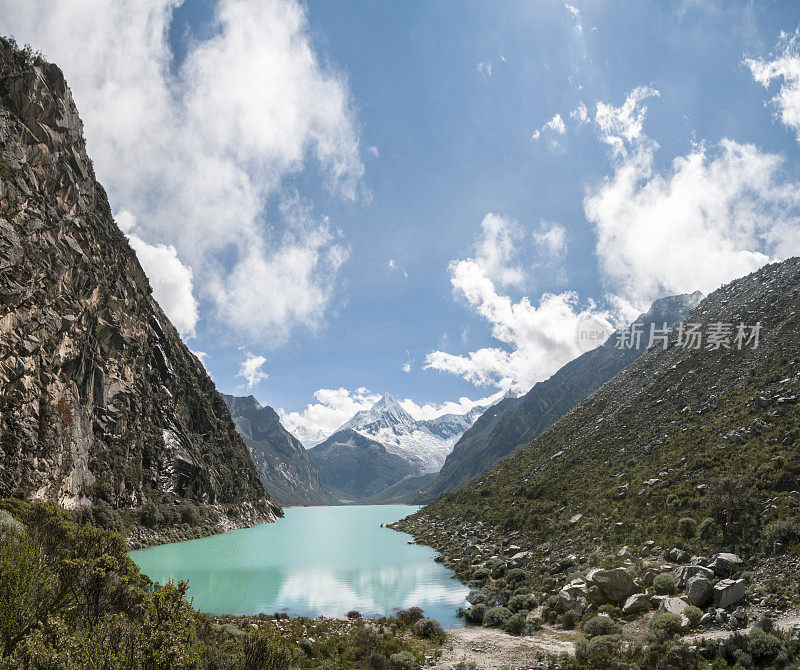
(315,561)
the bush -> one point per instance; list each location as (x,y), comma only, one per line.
(354,614)
(568,619)
(403,660)
(496,567)
(598,652)
(687,527)
(708,529)
(693,614)
(496,617)
(428,629)
(409,616)
(267,651)
(517,603)
(785,531)
(481,574)
(763,646)
(516,575)
(475,614)
(664,584)
(601,625)
(666,624)
(516,624)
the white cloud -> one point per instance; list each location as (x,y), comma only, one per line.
(580,114)
(538,339)
(485,68)
(555,125)
(551,240)
(332,408)
(374,151)
(495,250)
(198,152)
(621,125)
(461,406)
(784,66)
(170,279)
(393,266)
(251,371)
(406,367)
(716,214)
(202,356)
(574,11)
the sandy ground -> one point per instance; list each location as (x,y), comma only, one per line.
(492,648)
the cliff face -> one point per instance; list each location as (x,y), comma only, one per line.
(99,397)
(285,468)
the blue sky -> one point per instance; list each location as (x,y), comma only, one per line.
(440,102)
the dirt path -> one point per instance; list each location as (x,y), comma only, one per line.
(493,649)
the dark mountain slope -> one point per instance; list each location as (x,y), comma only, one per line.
(285,467)
(514,421)
(354,467)
(679,433)
(99,397)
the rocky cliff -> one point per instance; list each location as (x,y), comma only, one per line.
(285,468)
(506,426)
(99,397)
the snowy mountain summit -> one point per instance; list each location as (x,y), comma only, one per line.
(427,440)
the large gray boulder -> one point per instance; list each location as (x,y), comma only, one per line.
(573,596)
(615,585)
(638,603)
(684,573)
(519,560)
(673,605)
(699,591)
(728,591)
(725,564)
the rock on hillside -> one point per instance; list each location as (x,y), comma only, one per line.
(285,468)
(355,468)
(511,423)
(682,433)
(99,397)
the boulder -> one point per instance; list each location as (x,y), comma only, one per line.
(684,573)
(519,560)
(724,564)
(674,605)
(699,591)
(636,604)
(728,591)
(615,585)
(573,596)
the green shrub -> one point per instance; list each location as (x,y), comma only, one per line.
(598,652)
(262,649)
(475,614)
(785,531)
(664,584)
(496,617)
(428,629)
(666,624)
(496,567)
(763,646)
(517,603)
(708,529)
(516,624)
(403,660)
(480,574)
(409,616)
(601,625)
(516,575)
(568,619)
(687,527)
(693,614)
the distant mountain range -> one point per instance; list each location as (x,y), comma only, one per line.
(512,422)
(283,464)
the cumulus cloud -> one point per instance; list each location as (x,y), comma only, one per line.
(538,338)
(170,279)
(485,68)
(551,240)
(393,266)
(495,250)
(199,152)
(620,126)
(784,67)
(332,408)
(580,114)
(716,214)
(463,405)
(555,125)
(251,369)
